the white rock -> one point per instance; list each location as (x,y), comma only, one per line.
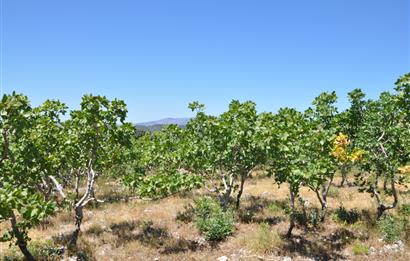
(223,258)
(287,258)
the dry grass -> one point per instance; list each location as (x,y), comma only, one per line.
(264,240)
(145,230)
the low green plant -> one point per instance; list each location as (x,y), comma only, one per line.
(359,248)
(333,193)
(42,250)
(391,229)
(346,216)
(264,240)
(247,215)
(212,221)
(405,209)
(95,229)
(162,185)
(274,207)
(307,217)
(133,180)
(187,215)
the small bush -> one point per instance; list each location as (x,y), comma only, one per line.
(307,217)
(405,209)
(41,250)
(247,215)
(391,229)
(187,215)
(212,221)
(95,229)
(346,216)
(359,248)
(333,193)
(264,240)
(274,207)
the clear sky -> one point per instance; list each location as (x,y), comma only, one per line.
(160,55)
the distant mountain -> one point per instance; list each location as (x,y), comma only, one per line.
(166,121)
(159,124)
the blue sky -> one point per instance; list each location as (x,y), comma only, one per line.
(160,55)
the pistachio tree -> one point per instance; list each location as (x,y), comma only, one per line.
(289,154)
(29,156)
(227,145)
(384,136)
(92,135)
(349,122)
(162,157)
(321,164)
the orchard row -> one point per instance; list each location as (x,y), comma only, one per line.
(49,164)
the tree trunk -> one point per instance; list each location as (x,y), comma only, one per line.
(385,185)
(79,206)
(78,220)
(322,197)
(238,197)
(381,206)
(225,197)
(292,214)
(344,176)
(21,241)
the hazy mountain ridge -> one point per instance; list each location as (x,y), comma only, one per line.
(166,121)
(159,124)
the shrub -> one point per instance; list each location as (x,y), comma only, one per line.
(391,229)
(359,248)
(346,216)
(274,207)
(307,217)
(162,185)
(95,229)
(264,240)
(405,209)
(212,221)
(333,193)
(41,250)
(247,215)
(186,215)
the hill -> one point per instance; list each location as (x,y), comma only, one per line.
(159,124)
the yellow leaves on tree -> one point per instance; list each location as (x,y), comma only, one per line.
(341,151)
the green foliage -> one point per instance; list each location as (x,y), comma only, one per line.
(133,181)
(187,215)
(405,209)
(333,193)
(346,216)
(96,131)
(359,248)
(31,207)
(264,240)
(38,151)
(247,215)
(226,147)
(274,207)
(162,185)
(391,229)
(288,147)
(214,223)
(307,217)
(384,134)
(28,155)
(41,250)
